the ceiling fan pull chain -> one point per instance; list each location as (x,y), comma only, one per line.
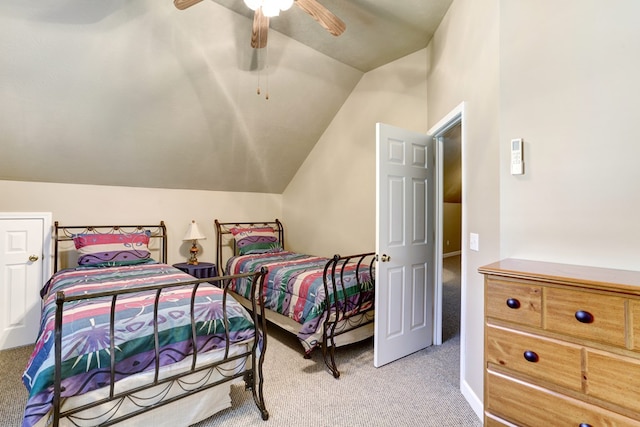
(267,71)
(259,70)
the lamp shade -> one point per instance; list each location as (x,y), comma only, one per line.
(193,233)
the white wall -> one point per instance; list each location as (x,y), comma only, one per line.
(73,204)
(563,76)
(329,206)
(464,65)
(570,87)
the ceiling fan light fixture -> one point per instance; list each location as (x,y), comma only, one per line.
(253,4)
(285,4)
(269,8)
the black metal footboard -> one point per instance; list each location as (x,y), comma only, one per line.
(343,308)
(253,374)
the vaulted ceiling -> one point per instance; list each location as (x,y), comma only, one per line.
(138,93)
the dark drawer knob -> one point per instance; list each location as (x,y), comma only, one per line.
(531,356)
(513,303)
(584,316)
(584,425)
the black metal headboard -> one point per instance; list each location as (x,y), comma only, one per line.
(223,230)
(157,237)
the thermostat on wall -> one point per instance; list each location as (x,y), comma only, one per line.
(517,157)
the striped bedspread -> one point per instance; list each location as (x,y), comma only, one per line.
(294,288)
(86,353)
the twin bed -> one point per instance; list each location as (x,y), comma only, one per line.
(125,338)
(326,302)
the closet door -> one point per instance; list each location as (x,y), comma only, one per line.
(24,266)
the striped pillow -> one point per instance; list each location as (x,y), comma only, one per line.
(256,240)
(107,250)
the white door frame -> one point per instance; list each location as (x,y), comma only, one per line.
(455,117)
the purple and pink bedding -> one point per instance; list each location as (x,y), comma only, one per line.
(86,355)
(294,287)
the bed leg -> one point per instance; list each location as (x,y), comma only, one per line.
(331,364)
(328,354)
(249,384)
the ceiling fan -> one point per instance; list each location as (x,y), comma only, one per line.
(264,9)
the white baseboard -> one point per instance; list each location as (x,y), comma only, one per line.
(449,254)
(474,401)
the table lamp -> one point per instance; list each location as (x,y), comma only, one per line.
(193,234)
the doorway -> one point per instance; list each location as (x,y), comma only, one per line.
(451,200)
(449,136)
(429,233)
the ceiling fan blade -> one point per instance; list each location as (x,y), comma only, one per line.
(259,30)
(328,20)
(183,4)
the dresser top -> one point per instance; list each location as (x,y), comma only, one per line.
(577,275)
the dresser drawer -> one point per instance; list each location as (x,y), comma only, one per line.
(526,404)
(615,379)
(491,420)
(602,317)
(514,302)
(541,358)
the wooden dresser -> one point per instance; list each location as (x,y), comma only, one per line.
(562,345)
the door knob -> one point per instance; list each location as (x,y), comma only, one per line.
(385,258)
(33,258)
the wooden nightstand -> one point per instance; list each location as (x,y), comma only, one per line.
(202,270)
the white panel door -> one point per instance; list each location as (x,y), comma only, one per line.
(404,243)
(21,277)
